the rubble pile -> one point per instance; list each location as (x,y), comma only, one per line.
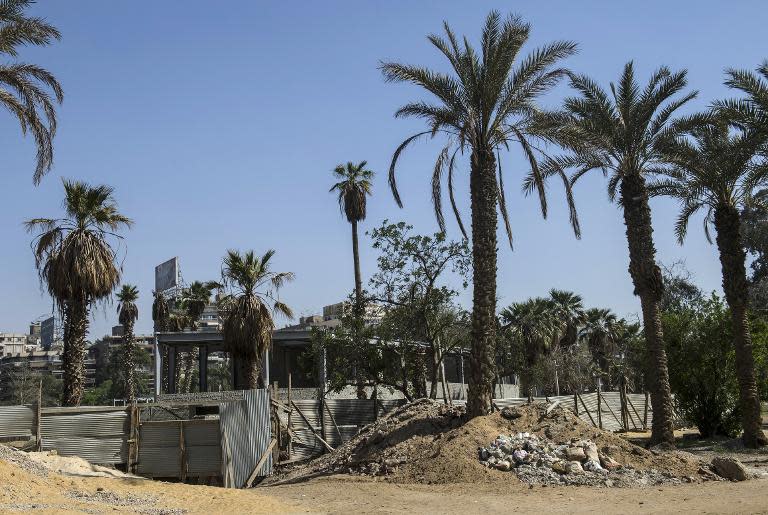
(580,462)
(431,443)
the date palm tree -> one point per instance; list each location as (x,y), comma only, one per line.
(718,169)
(486,104)
(76,261)
(249,309)
(161,313)
(25,89)
(750,111)
(128,313)
(620,135)
(353,186)
(534,324)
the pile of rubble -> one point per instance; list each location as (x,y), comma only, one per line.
(541,461)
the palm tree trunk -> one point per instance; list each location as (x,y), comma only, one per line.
(484,196)
(128,364)
(76,327)
(358,310)
(732,258)
(647,280)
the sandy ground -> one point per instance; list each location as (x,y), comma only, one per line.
(338,495)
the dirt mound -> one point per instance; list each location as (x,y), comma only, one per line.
(429,442)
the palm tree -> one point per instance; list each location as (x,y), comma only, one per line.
(353,187)
(718,169)
(568,310)
(77,263)
(24,87)
(193,301)
(534,323)
(752,111)
(248,311)
(599,334)
(620,135)
(128,313)
(161,313)
(484,106)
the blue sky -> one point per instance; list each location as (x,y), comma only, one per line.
(218,125)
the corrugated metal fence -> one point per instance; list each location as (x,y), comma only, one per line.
(334,420)
(99,435)
(17,422)
(179,449)
(245,437)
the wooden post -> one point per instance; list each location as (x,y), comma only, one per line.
(322,418)
(639,419)
(599,406)
(583,404)
(645,413)
(576,403)
(39,413)
(182,453)
(290,427)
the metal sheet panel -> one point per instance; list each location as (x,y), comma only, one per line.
(98,437)
(245,436)
(17,422)
(202,443)
(159,450)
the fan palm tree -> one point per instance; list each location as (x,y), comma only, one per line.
(249,309)
(599,334)
(353,187)
(25,89)
(193,301)
(128,313)
(485,105)
(77,263)
(568,310)
(534,323)
(718,169)
(620,135)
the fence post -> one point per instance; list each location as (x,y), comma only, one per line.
(576,403)
(39,413)
(290,408)
(599,408)
(645,412)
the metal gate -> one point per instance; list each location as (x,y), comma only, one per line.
(245,437)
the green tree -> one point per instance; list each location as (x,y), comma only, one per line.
(533,323)
(248,311)
(25,89)
(484,106)
(77,263)
(717,169)
(128,313)
(702,375)
(411,269)
(620,135)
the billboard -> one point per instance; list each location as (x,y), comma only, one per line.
(167,275)
(47,333)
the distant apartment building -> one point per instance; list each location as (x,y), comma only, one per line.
(43,362)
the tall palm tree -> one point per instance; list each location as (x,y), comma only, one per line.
(77,263)
(620,135)
(161,313)
(353,186)
(128,313)
(249,309)
(25,89)
(485,105)
(718,169)
(535,324)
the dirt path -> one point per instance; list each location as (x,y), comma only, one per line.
(340,495)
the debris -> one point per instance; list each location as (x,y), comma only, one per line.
(730,468)
(511,413)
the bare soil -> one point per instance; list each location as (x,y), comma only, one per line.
(430,443)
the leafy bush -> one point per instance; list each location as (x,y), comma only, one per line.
(701,365)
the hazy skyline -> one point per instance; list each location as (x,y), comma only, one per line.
(219,128)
